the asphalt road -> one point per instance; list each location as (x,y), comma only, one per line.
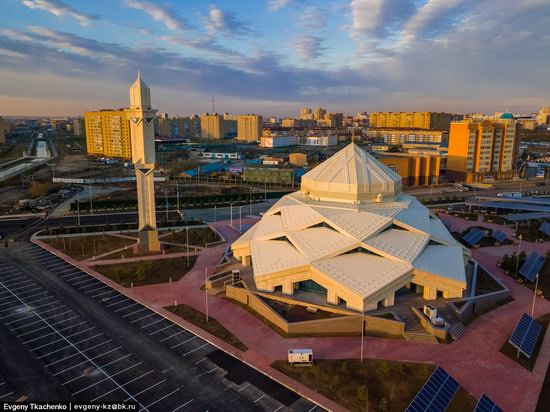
(86,341)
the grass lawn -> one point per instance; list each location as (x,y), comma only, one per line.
(391,385)
(147,272)
(198,318)
(197,236)
(84,247)
(511,352)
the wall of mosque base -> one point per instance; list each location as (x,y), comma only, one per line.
(345,325)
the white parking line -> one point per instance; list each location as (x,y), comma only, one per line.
(9,302)
(143,317)
(133,313)
(65,347)
(18,282)
(117,303)
(171,336)
(160,330)
(146,389)
(37,321)
(103,293)
(280,407)
(44,327)
(244,387)
(20,290)
(36,294)
(126,307)
(48,334)
(181,406)
(33,308)
(81,352)
(86,280)
(69,269)
(83,362)
(104,379)
(6,394)
(74,276)
(44,298)
(191,351)
(13,276)
(151,324)
(259,398)
(94,290)
(202,360)
(185,341)
(160,399)
(56,265)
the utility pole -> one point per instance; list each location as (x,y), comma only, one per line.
(517,260)
(206,291)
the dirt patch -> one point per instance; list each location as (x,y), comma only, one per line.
(197,236)
(147,272)
(511,352)
(84,247)
(374,384)
(212,326)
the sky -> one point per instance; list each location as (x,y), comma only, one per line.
(62,57)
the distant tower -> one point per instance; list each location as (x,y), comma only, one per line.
(142,138)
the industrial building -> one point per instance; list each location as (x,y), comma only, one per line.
(351,236)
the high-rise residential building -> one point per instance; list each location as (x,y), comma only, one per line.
(289,122)
(543,118)
(213,126)
(108,133)
(306,114)
(481,150)
(333,120)
(78,127)
(394,136)
(249,127)
(2,131)
(408,120)
(319,113)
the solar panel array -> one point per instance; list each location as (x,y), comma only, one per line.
(474,236)
(545,228)
(436,394)
(486,404)
(525,335)
(532,266)
(499,236)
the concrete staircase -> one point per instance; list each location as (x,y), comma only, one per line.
(420,337)
(457,330)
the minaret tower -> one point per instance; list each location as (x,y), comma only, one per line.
(142,137)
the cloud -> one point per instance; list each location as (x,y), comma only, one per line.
(378,18)
(58,8)
(160,13)
(313,17)
(225,21)
(309,47)
(275,5)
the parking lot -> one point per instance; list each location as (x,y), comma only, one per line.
(94,365)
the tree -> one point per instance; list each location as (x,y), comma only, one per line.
(384,368)
(363,396)
(140,273)
(383,404)
(335,383)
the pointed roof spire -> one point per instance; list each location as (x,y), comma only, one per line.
(139,77)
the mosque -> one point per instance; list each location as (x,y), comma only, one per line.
(350,234)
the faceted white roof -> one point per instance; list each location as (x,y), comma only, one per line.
(400,244)
(320,232)
(317,242)
(414,218)
(272,256)
(350,173)
(299,217)
(270,227)
(440,234)
(446,261)
(362,273)
(359,225)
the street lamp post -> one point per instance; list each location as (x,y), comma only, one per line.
(535,295)
(77,210)
(90,189)
(517,259)
(206,291)
(231,208)
(177,195)
(240,220)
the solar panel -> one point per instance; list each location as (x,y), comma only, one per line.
(545,228)
(436,394)
(499,236)
(485,404)
(526,334)
(532,266)
(473,236)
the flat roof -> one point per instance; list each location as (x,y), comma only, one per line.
(519,217)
